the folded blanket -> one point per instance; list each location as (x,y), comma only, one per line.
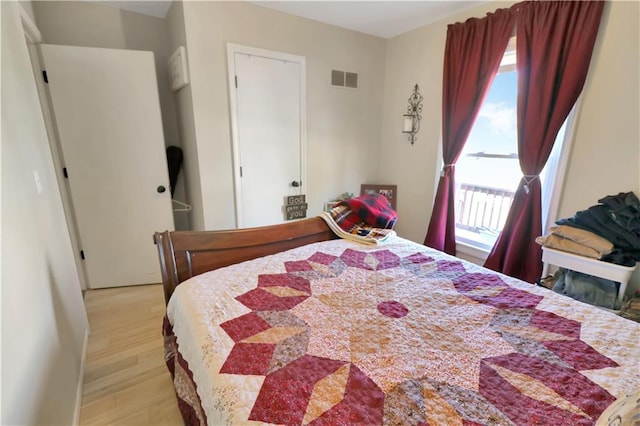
(373,209)
(584,237)
(346,224)
(564,244)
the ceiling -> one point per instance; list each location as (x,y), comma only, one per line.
(379,18)
(157,8)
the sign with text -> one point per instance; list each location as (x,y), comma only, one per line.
(295,207)
(295,199)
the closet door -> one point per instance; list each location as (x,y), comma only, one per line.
(107,114)
(268,101)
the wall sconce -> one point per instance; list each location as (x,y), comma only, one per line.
(411,123)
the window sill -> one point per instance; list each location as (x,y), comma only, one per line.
(471,250)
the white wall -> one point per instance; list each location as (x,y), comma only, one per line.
(343,126)
(43,317)
(185,120)
(605,156)
(27,7)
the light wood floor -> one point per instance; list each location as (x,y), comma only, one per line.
(126,381)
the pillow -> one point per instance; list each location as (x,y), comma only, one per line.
(584,237)
(624,411)
(565,244)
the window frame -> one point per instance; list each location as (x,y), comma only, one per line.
(473,247)
(551,191)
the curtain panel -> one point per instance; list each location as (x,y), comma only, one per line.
(473,51)
(554,44)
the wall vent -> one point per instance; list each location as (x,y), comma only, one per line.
(344,79)
(351,80)
(337,78)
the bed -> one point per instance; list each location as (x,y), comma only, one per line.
(289,325)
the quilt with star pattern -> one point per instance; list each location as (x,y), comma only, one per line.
(340,333)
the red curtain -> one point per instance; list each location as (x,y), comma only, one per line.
(554,44)
(472,57)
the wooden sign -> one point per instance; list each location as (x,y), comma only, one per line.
(295,199)
(295,207)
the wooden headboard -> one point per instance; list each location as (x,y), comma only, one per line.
(184,254)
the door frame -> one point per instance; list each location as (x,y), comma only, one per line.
(232,49)
(33,39)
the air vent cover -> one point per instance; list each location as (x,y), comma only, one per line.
(337,78)
(344,79)
(351,80)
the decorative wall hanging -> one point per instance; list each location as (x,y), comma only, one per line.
(411,123)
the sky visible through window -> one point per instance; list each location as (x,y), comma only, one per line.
(494,132)
(482,207)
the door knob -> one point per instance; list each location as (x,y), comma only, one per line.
(161,189)
(296,184)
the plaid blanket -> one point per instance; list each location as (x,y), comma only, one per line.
(373,209)
(349,223)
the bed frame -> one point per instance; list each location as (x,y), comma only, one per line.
(184,254)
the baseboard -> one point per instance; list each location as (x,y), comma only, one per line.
(76,411)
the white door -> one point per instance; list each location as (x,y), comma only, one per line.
(107,113)
(269,133)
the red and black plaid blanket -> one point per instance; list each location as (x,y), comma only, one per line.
(373,209)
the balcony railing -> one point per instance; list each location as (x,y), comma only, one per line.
(480,208)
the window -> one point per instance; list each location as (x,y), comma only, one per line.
(488,171)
